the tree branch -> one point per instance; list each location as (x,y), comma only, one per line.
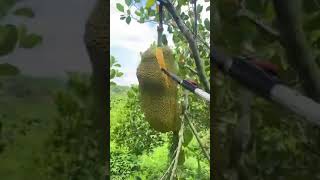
(198,139)
(192,44)
(294,41)
(190,69)
(198,37)
(258,22)
(176,154)
(176,159)
(169,168)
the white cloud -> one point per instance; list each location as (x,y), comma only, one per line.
(135,37)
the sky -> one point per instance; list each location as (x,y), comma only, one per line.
(61,24)
(127,41)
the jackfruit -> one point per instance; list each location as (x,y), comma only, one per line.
(158,93)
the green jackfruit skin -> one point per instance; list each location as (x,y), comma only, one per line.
(159,102)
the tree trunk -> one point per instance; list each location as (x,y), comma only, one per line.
(299,54)
(96,42)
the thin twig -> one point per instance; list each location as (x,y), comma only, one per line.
(258,22)
(176,159)
(176,155)
(198,37)
(169,168)
(160,26)
(190,68)
(195,133)
(138,20)
(184,115)
(203,42)
(195,18)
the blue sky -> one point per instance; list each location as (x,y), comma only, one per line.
(127,41)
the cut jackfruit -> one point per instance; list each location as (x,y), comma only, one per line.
(159,95)
(160,60)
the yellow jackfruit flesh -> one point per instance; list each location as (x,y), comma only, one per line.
(159,94)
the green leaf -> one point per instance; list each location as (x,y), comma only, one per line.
(8,70)
(112,74)
(128,2)
(138,13)
(181,158)
(175,38)
(184,16)
(8,39)
(169,29)
(187,137)
(182,2)
(142,20)
(25,12)
(112,83)
(130,94)
(122,18)
(208,8)
(207,24)
(151,12)
(199,8)
(117,65)
(5,6)
(120,7)
(119,74)
(112,60)
(150,3)
(164,40)
(30,41)
(128,20)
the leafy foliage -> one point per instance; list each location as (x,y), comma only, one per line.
(8,70)
(114,72)
(122,162)
(26,116)
(24,12)
(280,144)
(71,150)
(135,126)
(28,40)
(11,35)
(8,39)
